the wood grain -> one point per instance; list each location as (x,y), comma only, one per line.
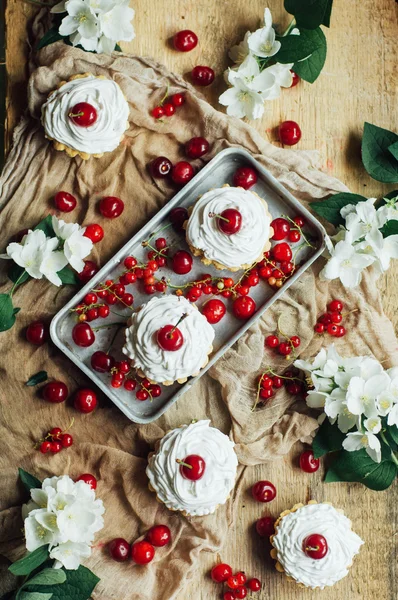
(359,83)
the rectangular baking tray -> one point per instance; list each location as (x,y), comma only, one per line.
(216,173)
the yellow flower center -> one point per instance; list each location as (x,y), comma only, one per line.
(41,532)
(364,440)
(267,46)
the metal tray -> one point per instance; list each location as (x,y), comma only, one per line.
(216,173)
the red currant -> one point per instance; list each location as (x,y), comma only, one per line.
(265,526)
(128,299)
(45,447)
(178,216)
(142,395)
(103,311)
(55,433)
(55,447)
(293,388)
(94,232)
(221,572)
(244,307)
(332,329)
(264,491)
(341,331)
(289,133)
(282,252)
(315,546)
(55,392)
(197,147)
(185,40)
(160,167)
(89,479)
(281,229)
(182,172)
(266,393)
(160,286)
(254,585)
(295,340)
(229,596)
(157,112)
(83,114)
(119,549)
(142,552)
(37,333)
(294,236)
(319,328)
(66,440)
(130,262)
(130,385)
(241,577)
(192,467)
(178,99)
(64,201)
(299,221)
(245,177)
(272,341)
(232,582)
(202,76)
(92,314)
(240,592)
(159,535)
(284,348)
(308,463)
(89,270)
(169,109)
(85,400)
(277,382)
(182,262)
(155,390)
(83,335)
(335,305)
(111,207)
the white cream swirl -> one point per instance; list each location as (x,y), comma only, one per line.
(161,365)
(241,248)
(200,497)
(343,545)
(112,115)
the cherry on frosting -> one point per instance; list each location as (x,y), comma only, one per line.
(170,338)
(315,546)
(192,467)
(83,114)
(230,221)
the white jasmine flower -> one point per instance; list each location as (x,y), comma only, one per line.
(262,42)
(346,264)
(283,76)
(80,18)
(383,249)
(89,44)
(116,23)
(70,554)
(100,6)
(242,101)
(317,363)
(76,246)
(316,399)
(357,440)
(384,403)
(363,220)
(35,534)
(392,418)
(373,424)
(239,52)
(361,394)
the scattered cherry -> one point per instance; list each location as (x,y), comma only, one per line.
(230,221)
(177,217)
(142,552)
(265,526)
(83,335)
(182,262)
(94,232)
(308,463)
(55,392)
(64,201)
(111,207)
(37,333)
(102,362)
(85,400)
(185,40)
(245,177)
(89,270)
(295,78)
(170,338)
(289,133)
(182,172)
(281,228)
(196,147)
(202,76)
(315,546)
(192,467)
(282,252)
(221,573)
(161,167)
(214,310)
(159,535)
(83,114)
(119,549)
(263,491)
(89,479)
(243,307)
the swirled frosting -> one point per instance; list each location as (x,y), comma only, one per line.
(241,248)
(343,545)
(112,115)
(200,497)
(161,365)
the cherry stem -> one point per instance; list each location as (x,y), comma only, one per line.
(211,215)
(165,95)
(311,548)
(109,325)
(79,114)
(183,464)
(146,242)
(170,334)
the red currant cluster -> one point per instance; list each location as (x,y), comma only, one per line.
(330,322)
(90,309)
(286,347)
(168,106)
(182,171)
(269,382)
(55,440)
(141,552)
(238,584)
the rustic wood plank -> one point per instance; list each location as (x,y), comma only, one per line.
(359,83)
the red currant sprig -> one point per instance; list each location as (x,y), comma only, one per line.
(238,585)
(90,309)
(168,105)
(269,382)
(285,348)
(123,375)
(330,322)
(55,440)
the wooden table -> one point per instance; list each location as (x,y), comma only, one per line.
(359,83)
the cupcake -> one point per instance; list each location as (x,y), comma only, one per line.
(314,544)
(85,116)
(193,469)
(229,228)
(168,340)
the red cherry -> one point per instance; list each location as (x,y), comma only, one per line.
(55,447)
(159,535)
(169,109)
(178,99)
(178,216)
(295,340)
(170,338)
(119,549)
(55,392)
(102,362)
(157,112)
(308,463)
(254,585)
(315,546)
(265,526)
(335,305)
(64,201)
(319,328)
(282,252)
(89,479)
(37,333)
(221,572)
(240,592)
(295,79)
(293,387)
(244,307)
(94,232)
(161,167)
(202,75)
(289,133)
(214,310)
(229,221)
(245,177)
(264,491)
(192,467)
(182,172)
(185,40)
(85,400)
(182,262)
(232,582)
(89,270)
(83,335)
(111,207)
(142,552)
(196,147)
(281,229)
(341,331)
(294,236)
(229,596)
(66,440)
(83,114)
(272,341)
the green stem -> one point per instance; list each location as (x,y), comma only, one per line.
(109,325)
(393,457)
(17,283)
(291,26)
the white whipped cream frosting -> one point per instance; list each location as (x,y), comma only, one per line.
(164,365)
(343,545)
(241,248)
(200,497)
(112,115)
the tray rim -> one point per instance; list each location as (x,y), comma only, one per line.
(174,201)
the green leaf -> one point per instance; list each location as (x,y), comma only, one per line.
(46,225)
(393,431)
(297,47)
(309,13)
(50,37)
(48,577)
(34,596)
(32,560)
(328,438)
(7,316)
(394,150)
(30,482)
(17,273)
(68,277)
(376,157)
(37,378)
(359,467)
(78,585)
(330,208)
(328,14)
(390,228)
(118,48)
(16,311)
(310,69)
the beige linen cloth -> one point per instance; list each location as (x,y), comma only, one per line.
(106,443)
